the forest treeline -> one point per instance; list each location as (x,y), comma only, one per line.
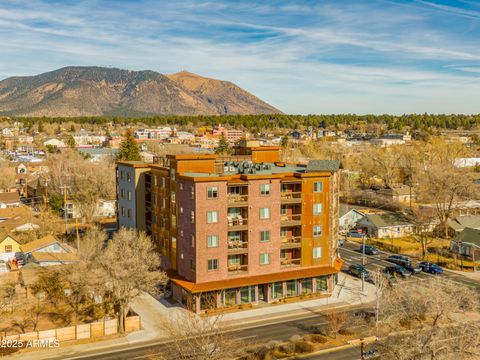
(270,121)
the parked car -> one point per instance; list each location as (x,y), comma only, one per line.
(369,250)
(414,269)
(355,234)
(397,269)
(399,260)
(430,267)
(357,270)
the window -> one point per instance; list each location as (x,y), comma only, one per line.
(129,177)
(212,241)
(193,241)
(173,196)
(8,248)
(317,230)
(317,209)
(317,252)
(247,294)
(174,242)
(155,181)
(129,195)
(123,211)
(163,182)
(321,283)
(212,217)
(265,189)
(212,192)
(172,174)
(192,265)
(181,186)
(192,192)
(265,235)
(317,186)
(181,233)
(277,290)
(122,193)
(192,217)
(292,288)
(307,286)
(181,209)
(129,213)
(212,264)
(264,259)
(163,203)
(174,220)
(264,213)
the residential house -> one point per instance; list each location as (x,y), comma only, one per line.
(386,225)
(467,244)
(9,200)
(55,143)
(8,247)
(349,216)
(459,223)
(49,251)
(400,194)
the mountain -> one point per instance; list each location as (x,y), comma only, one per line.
(94,91)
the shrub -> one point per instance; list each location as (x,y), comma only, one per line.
(316,338)
(304,347)
(345,332)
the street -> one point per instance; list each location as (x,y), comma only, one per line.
(351,254)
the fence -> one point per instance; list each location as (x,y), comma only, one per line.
(79,332)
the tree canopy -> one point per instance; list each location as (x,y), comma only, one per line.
(129,149)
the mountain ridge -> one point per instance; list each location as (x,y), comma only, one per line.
(96,91)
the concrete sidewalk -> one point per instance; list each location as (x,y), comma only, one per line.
(153,312)
(347,293)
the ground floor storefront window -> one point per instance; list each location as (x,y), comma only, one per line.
(292,288)
(229,297)
(208,300)
(322,283)
(277,290)
(247,294)
(307,286)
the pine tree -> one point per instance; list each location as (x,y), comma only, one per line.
(71,142)
(129,149)
(223,147)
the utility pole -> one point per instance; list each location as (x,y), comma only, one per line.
(363,263)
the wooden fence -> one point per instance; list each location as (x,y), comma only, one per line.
(78,332)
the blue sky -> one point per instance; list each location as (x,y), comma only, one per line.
(372,56)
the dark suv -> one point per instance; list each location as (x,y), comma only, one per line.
(369,250)
(397,269)
(357,270)
(405,262)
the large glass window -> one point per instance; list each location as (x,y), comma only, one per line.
(292,288)
(317,186)
(307,286)
(229,297)
(317,230)
(212,241)
(322,283)
(277,290)
(265,189)
(247,294)
(212,217)
(264,259)
(212,264)
(212,192)
(265,235)
(317,252)
(317,209)
(265,213)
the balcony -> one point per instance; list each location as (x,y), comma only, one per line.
(237,264)
(291,220)
(237,200)
(290,197)
(290,242)
(237,223)
(237,247)
(287,263)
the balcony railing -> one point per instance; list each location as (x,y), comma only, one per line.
(237,268)
(237,221)
(290,197)
(291,242)
(237,199)
(237,247)
(295,219)
(289,262)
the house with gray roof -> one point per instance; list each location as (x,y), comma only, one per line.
(386,225)
(459,223)
(467,244)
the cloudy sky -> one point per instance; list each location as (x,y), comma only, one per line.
(348,56)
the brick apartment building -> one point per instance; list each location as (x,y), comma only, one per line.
(236,230)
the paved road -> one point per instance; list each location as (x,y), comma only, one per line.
(350,253)
(278,329)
